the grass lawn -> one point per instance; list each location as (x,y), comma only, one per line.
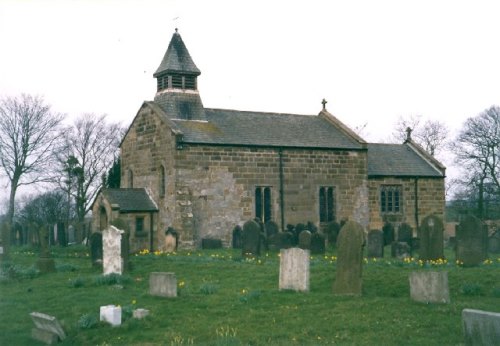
(227,300)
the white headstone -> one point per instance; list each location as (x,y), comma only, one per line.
(111,314)
(294,269)
(111,251)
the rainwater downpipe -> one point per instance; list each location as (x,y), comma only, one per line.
(151,232)
(416,204)
(282,189)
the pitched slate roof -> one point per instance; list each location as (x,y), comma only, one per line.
(130,200)
(177,58)
(231,127)
(398,160)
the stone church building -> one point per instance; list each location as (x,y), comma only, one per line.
(203,170)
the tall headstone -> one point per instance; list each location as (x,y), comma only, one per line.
(431,238)
(350,242)
(71,234)
(61,234)
(471,245)
(45,263)
(429,287)
(112,262)
(405,233)
(305,240)
(317,243)
(375,244)
(96,249)
(388,230)
(237,237)
(294,269)
(251,239)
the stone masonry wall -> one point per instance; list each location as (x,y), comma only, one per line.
(430,200)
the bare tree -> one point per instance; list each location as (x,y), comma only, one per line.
(477,150)
(91,149)
(431,135)
(29,134)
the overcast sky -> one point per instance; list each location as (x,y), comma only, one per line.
(373,61)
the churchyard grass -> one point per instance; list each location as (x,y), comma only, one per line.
(224,299)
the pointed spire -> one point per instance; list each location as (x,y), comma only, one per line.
(177,59)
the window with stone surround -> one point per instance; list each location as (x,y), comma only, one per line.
(390,199)
(139,224)
(162,182)
(326,204)
(263,203)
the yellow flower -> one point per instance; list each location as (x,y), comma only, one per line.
(244,291)
(134,302)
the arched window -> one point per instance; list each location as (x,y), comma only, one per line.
(263,208)
(162,181)
(130,178)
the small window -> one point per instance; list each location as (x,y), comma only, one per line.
(326,204)
(130,179)
(263,203)
(139,224)
(390,198)
(162,181)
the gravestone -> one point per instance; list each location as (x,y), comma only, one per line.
(111,314)
(140,313)
(237,243)
(481,327)
(350,242)
(210,243)
(251,239)
(163,284)
(281,240)
(494,242)
(388,230)
(375,244)
(61,234)
(47,328)
(405,233)
(431,238)
(5,229)
(112,261)
(332,230)
(45,263)
(400,250)
(96,249)
(71,234)
(317,243)
(429,287)
(305,240)
(271,228)
(471,237)
(294,269)
(171,240)
(125,242)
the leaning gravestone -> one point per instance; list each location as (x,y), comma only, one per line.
(405,233)
(350,242)
(294,269)
(471,247)
(375,244)
(96,249)
(163,284)
(429,287)
(237,237)
(112,262)
(388,230)
(317,243)
(481,327)
(305,240)
(47,328)
(251,239)
(431,238)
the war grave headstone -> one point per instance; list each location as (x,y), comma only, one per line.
(163,284)
(294,269)
(375,247)
(471,246)
(112,261)
(237,242)
(400,250)
(47,328)
(481,327)
(388,230)
(431,238)
(111,314)
(317,243)
(251,238)
(96,249)
(171,237)
(45,263)
(305,240)
(348,280)
(429,287)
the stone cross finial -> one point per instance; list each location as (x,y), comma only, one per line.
(408,133)
(324,102)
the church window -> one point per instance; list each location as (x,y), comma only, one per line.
(130,179)
(390,198)
(326,204)
(162,181)
(263,203)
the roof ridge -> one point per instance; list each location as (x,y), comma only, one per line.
(259,112)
